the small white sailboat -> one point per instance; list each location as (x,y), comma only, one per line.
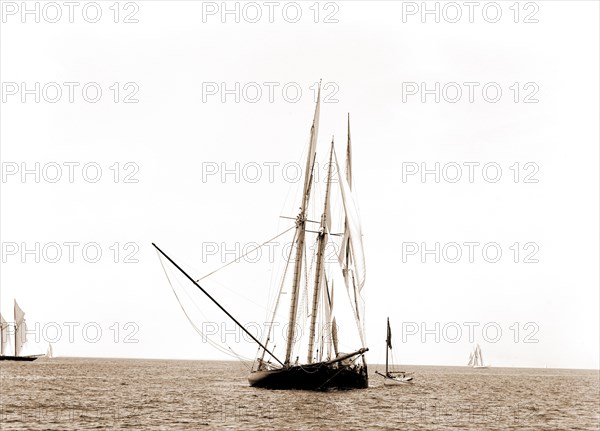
(393,378)
(476,358)
(49,352)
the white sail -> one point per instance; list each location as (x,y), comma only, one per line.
(20,329)
(3,335)
(476,358)
(480,356)
(49,353)
(354,229)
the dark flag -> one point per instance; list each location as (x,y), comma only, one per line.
(389,335)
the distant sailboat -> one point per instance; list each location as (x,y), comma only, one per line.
(49,353)
(20,337)
(392,378)
(476,358)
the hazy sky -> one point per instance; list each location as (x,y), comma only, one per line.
(161,162)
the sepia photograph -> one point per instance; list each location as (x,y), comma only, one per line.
(300,215)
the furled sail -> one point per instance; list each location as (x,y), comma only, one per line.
(354,230)
(20,329)
(389,335)
(3,335)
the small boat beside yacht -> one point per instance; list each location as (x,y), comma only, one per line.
(391,377)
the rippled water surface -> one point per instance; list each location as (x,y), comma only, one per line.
(78,394)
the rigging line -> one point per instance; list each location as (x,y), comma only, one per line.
(244,255)
(280,291)
(212,343)
(216,303)
(241,359)
(277,298)
(204,336)
(355,312)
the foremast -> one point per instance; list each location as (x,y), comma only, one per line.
(322,242)
(301,230)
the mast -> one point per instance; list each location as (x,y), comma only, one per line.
(349,157)
(349,179)
(301,230)
(349,258)
(346,246)
(322,242)
(16,330)
(388,345)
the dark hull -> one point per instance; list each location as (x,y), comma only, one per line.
(18,358)
(319,376)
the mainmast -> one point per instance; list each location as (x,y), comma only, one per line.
(301,230)
(322,242)
(346,246)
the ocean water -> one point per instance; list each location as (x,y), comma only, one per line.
(98,394)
